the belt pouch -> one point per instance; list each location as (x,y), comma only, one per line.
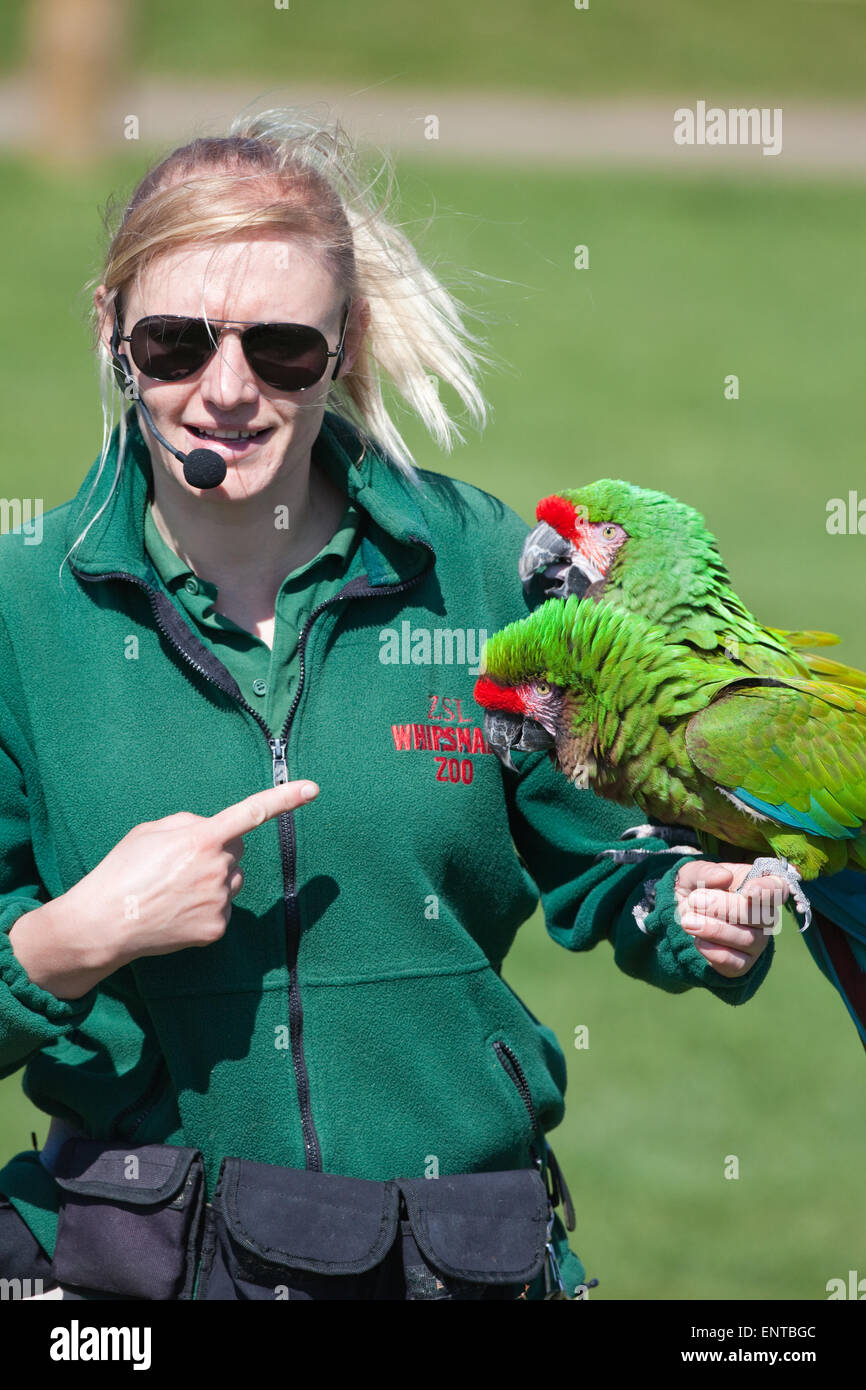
(473,1235)
(275,1233)
(129,1218)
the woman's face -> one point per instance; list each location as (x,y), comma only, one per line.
(263,279)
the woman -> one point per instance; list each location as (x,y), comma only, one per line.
(185,662)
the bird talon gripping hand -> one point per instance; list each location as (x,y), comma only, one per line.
(648,680)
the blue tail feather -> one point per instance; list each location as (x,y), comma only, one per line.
(841,899)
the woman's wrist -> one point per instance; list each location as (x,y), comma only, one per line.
(59,952)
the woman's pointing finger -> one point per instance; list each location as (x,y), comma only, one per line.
(254,810)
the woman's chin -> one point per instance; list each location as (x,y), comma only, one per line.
(243,481)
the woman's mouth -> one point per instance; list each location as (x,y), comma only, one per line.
(229,444)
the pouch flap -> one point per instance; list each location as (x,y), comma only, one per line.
(487,1227)
(308,1220)
(142,1176)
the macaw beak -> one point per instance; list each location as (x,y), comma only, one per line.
(504,731)
(546,551)
(543,546)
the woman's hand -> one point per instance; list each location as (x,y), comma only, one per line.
(730,929)
(168,884)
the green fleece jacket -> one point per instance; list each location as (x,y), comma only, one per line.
(353,1018)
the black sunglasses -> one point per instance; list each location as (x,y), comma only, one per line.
(288,356)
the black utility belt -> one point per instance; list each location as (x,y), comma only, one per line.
(134,1223)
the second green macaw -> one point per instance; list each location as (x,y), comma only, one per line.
(768,765)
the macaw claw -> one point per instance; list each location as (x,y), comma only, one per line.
(780,868)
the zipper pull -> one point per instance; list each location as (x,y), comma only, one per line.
(278,753)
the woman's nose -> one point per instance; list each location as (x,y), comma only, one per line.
(228,377)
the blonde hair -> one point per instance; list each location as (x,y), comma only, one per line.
(281,171)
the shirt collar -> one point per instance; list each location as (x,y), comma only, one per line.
(174,572)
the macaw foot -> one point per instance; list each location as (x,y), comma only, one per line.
(642,910)
(780,868)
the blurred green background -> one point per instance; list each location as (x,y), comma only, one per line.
(617,370)
(788,47)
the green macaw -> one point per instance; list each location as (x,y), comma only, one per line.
(691,741)
(618,545)
(642,550)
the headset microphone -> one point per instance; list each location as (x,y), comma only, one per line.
(202,468)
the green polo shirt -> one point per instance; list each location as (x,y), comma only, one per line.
(267,677)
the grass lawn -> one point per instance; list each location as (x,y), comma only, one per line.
(613,371)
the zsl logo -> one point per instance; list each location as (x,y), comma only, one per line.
(449,730)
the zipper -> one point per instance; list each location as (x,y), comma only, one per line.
(278,752)
(288,845)
(355,588)
(557,1189)
(554,1287)
(515,1071)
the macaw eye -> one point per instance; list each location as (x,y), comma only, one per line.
(609,532)
(542,688)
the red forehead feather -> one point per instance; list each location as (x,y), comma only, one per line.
(558,513)
(490,695)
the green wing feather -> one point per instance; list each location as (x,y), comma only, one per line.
(837,672)
(805,639)
(802,746)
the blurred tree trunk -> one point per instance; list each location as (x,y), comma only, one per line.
(76,53)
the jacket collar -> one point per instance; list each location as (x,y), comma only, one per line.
(396,544)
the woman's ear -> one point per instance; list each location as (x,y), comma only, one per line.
(106,317)
(356,331)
